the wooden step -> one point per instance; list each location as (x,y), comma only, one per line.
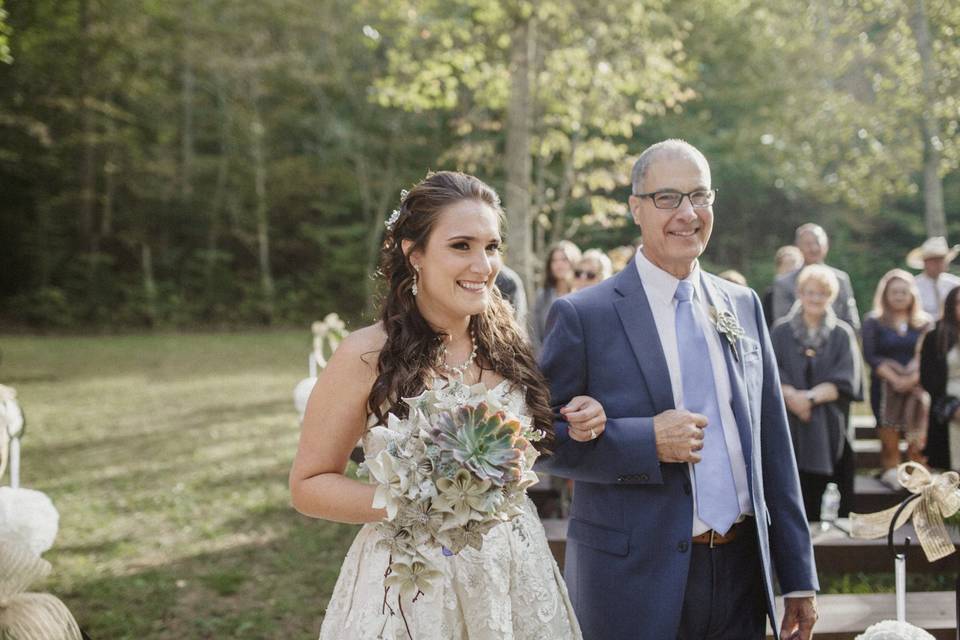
(871,495)
(845,616)
(864,426)
(834,550)
(867,452)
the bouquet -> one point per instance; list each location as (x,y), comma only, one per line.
(456,467)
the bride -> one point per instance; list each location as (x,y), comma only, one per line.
(441,317)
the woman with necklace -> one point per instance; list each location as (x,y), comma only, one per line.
(819,366)
(891,335)
(441,317)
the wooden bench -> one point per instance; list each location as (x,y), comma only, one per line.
(844,616)
(835,552)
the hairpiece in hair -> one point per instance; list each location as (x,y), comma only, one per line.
(392,220)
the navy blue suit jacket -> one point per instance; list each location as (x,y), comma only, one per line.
(628,543)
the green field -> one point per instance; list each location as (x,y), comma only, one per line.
(167,457)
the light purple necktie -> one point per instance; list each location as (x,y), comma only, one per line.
(717,504)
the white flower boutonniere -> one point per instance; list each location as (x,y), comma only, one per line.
(728,327)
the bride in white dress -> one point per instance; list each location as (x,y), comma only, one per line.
(441,316)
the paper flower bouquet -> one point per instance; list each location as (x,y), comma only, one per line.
(456,467)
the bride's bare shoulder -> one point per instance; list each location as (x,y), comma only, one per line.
(362,346)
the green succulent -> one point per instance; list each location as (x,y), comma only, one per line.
(483,442)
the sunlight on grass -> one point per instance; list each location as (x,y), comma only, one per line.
(167,457)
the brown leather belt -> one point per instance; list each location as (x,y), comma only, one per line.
(714,539)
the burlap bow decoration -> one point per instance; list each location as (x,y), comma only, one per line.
(938,499)
(30,616)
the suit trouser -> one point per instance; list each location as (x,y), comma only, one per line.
(724,599)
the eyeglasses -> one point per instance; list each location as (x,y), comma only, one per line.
(670,199)
(589,275)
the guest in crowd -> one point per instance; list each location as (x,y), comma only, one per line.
(594,266)
(734,276)
(788,258)
(934,257)
(812,241)
(511,288)
(891,337)
(557,281)
(820,375)
(940,376)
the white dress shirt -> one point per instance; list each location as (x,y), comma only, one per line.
(934,292)
(660,287)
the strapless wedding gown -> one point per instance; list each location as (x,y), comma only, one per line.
(509,590)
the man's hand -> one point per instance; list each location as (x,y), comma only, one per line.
(679,435)
(799,616)
(799,405)
(586,418)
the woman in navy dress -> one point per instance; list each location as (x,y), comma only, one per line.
(891,336)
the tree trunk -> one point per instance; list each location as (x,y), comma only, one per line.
(186,141)
(518,190)
(934,217)
(149,284)
(219,192)
(262,211)
(87,169)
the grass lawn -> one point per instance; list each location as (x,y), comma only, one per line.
(167,457)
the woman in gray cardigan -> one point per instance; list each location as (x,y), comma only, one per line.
(820,375)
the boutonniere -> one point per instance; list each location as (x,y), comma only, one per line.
(728,327)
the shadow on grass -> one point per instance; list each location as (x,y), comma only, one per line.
(277,588)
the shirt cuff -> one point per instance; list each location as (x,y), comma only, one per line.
(800,594)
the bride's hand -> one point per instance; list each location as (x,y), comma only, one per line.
(586,418)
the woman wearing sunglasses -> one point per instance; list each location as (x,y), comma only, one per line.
(593,267)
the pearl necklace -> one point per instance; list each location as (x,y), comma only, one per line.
(461,369)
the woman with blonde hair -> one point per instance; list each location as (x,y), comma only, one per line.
(891,336)
(593,267)
(820,376)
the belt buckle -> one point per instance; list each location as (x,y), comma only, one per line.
(713,535)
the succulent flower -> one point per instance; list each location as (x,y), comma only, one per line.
(480,440)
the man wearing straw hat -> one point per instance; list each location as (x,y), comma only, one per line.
(934,257)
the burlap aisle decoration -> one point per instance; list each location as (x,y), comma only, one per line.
(30,616)
(939,499)
(28,524)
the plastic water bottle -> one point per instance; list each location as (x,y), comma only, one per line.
(829,506)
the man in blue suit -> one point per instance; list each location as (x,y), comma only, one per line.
(671,421)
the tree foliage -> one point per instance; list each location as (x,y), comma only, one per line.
(176,163)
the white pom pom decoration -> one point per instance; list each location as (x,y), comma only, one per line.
(28,516)
(893,630)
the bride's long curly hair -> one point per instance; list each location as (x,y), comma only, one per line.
(413,349)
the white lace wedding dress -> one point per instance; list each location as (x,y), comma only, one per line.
(509,590)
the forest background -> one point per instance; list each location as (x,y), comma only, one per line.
(182,164)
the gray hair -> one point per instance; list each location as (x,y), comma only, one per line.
(643,163)
(816,230)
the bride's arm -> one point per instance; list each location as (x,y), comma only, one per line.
(334,420)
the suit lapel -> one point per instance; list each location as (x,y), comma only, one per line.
(633,307)
(721,301)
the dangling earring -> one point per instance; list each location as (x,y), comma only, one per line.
(413,288)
